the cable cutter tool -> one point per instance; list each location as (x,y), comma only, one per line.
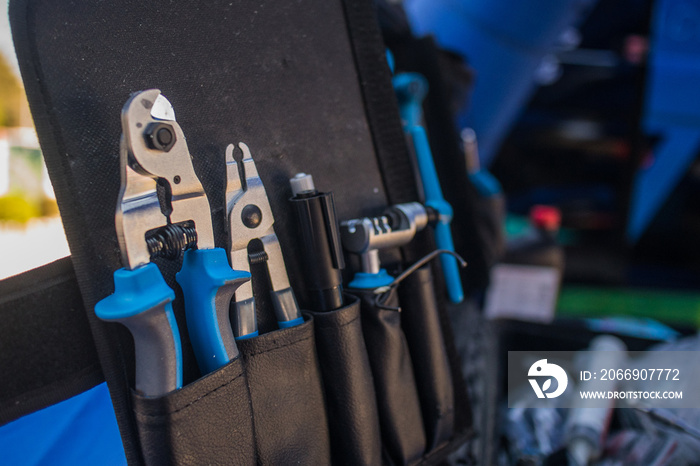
(249,218)
(163,211)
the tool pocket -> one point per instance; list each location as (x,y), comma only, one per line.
(400,419)
(287,396)
(209,420)
(420,320)
(347,379)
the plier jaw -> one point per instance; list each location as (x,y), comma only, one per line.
(250,217)
(154,152)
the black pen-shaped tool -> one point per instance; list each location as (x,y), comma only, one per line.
(320,243)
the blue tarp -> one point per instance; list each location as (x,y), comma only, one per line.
(80,430)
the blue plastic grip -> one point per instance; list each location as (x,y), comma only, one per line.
(426,166)
(411,89)
(390,60)
(369,281)
(142,302)
(485,183)
(208,284)
(443,238)
(434,199)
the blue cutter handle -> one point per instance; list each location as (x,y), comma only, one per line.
(142,302)
(370,281)
(434,199)
(208,284)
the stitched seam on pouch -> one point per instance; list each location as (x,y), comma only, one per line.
(169,413)
(278,347)
(318,324)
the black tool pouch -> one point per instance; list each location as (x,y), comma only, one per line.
(287,396)
(347,378)
(421,324)
(210,418)
(403,436)
(307,88)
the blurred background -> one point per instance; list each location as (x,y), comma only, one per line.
(31,233)
(592,108)
(580,124)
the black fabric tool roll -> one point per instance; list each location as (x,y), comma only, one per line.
(273,76)
(403,436)
(304,85)
(210,419)
(421,324)
(347,378)
(286,391)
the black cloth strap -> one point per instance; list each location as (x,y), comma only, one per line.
(47,353)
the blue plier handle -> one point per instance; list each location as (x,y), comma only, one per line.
(154,152)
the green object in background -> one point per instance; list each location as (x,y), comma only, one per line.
(672,307)
(517,226)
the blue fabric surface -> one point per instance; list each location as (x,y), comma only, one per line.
(80,430)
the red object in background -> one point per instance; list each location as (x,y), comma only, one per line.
(545,217)
(635,49)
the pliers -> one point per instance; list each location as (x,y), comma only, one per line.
(250,217)
(154,159)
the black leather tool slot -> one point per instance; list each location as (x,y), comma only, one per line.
(287,396)
(426,343)
(400,419)
(210,418)
(347,379)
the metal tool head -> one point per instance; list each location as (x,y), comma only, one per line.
(397,227)
(249,213)
(366,236)
(154,151)
(250,217)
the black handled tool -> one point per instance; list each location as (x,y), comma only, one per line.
(320,243)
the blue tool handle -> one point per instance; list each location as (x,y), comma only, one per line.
(411,89)
(208,284)
(370,281)
(426,166)
(450,267)
(142,302)
(434,199)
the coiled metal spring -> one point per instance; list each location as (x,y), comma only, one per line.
(170,241)
(257,257)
